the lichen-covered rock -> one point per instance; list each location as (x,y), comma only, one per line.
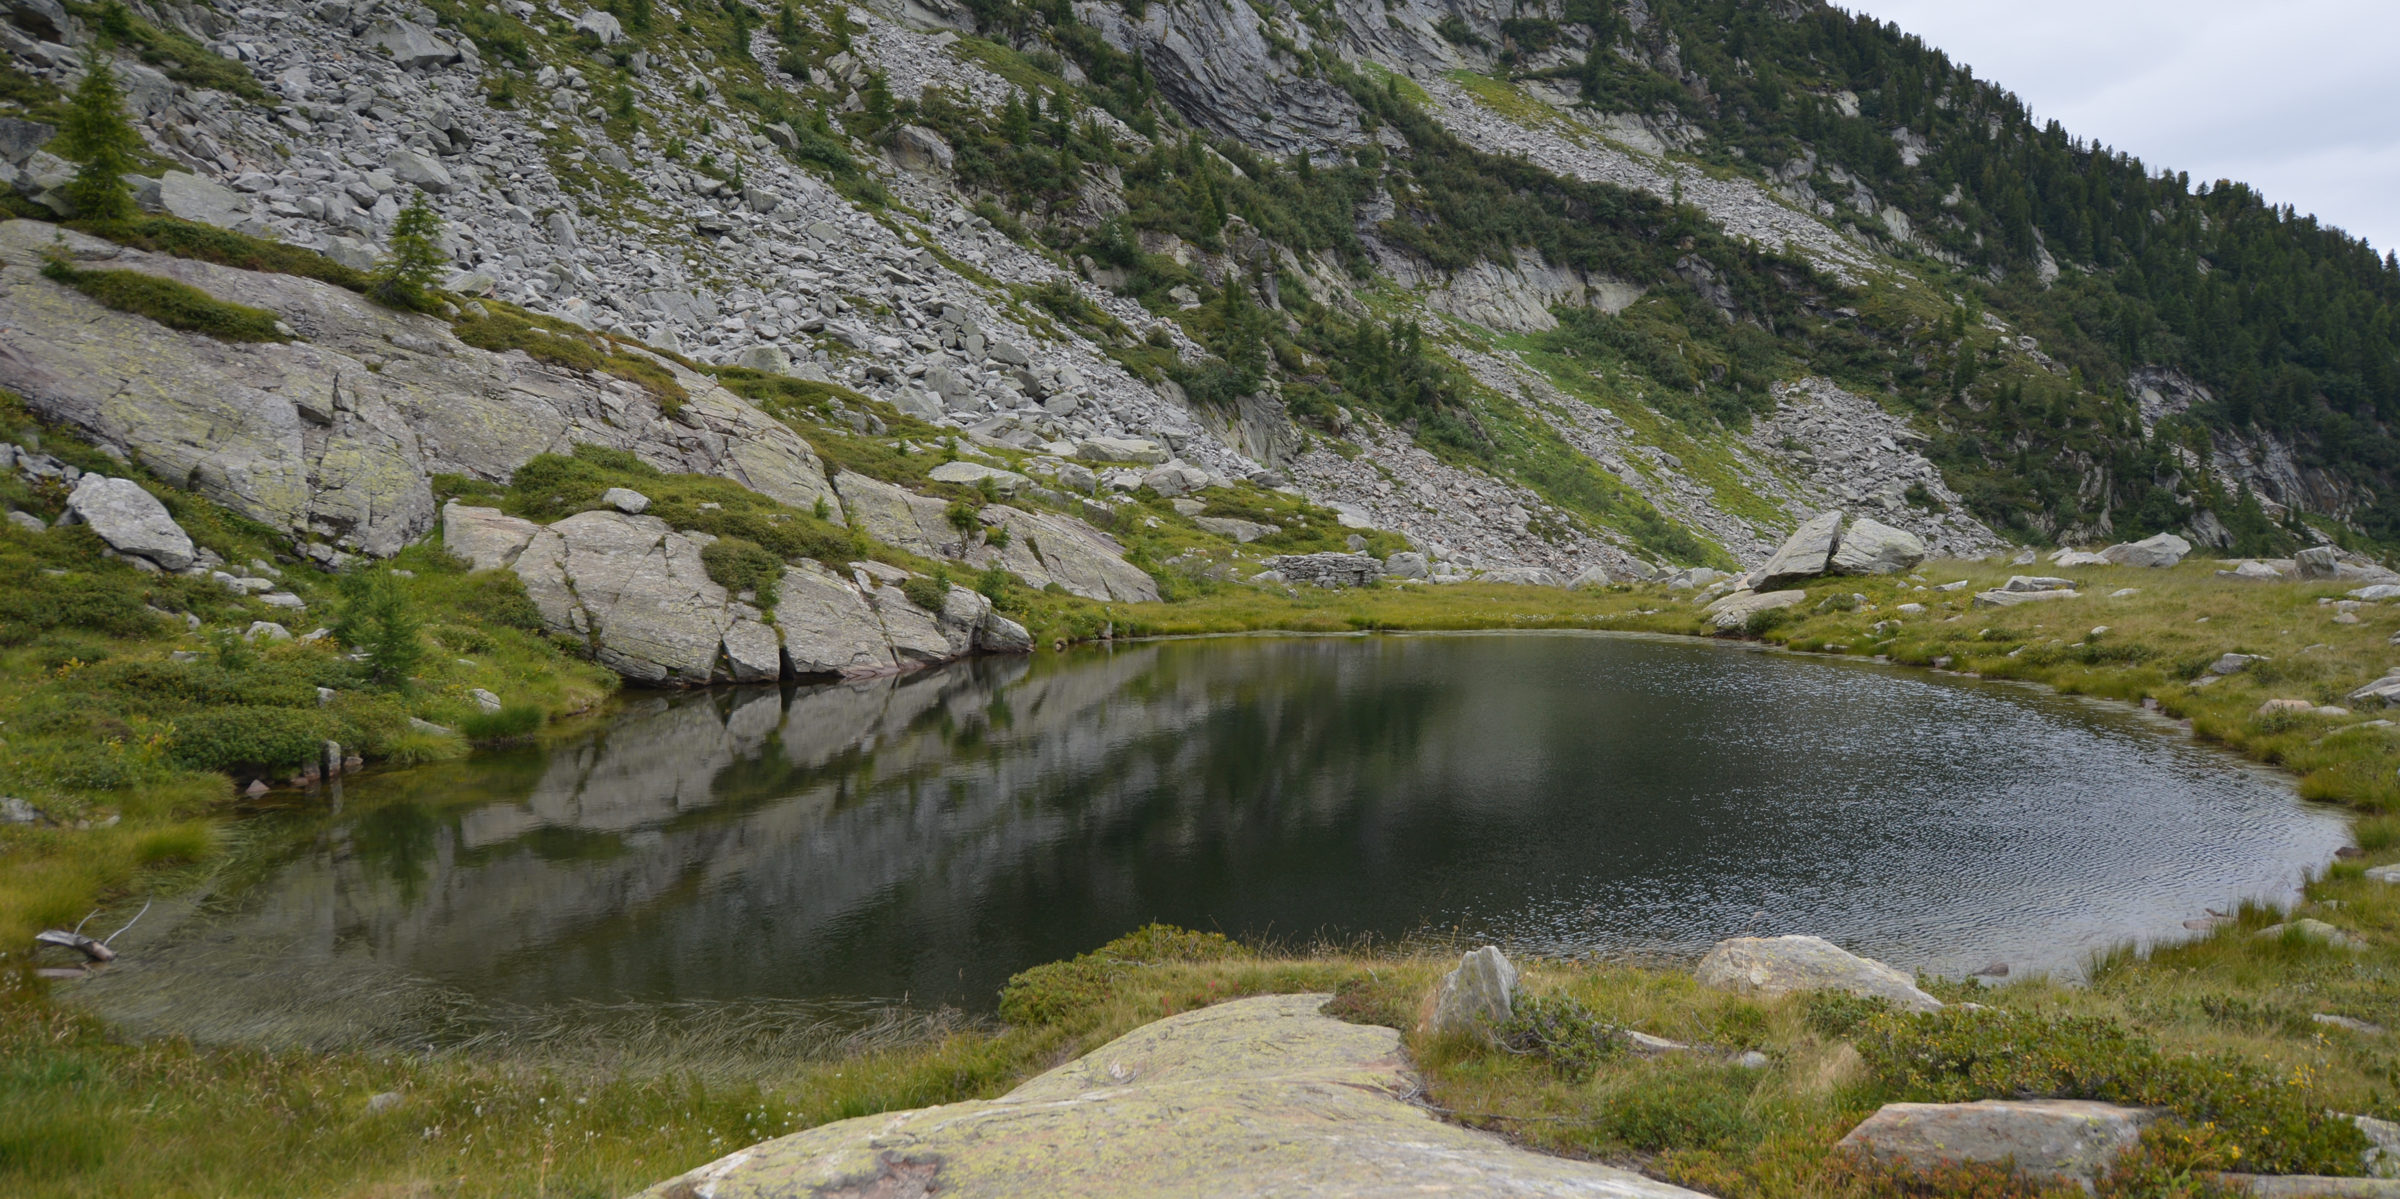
(131,521)
(897,516)
(1478,997)
(1255,1097)
(484,538)
(1785,965)
(1046,547)
(2051,1140)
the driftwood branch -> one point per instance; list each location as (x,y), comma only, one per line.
(91,947)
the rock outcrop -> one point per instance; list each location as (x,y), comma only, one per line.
(334,437)
(1785,965)
(636,590)
(1253,1097)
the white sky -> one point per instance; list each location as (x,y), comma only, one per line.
(2298,98)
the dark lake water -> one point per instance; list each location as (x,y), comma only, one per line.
(928,836)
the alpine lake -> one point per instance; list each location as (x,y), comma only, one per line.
(911,842)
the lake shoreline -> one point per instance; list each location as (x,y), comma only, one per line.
(2157,649)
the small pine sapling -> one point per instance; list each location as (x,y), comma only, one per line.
(97,137)
(404,279)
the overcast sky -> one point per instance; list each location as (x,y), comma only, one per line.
(2299,98)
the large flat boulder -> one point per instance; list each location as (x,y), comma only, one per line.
(131,521)
(1806,554)
(2158,552)
(2006,598)
(1255,1097)
(1788,965)
(2052,1140)
(485,538)
(1870,547)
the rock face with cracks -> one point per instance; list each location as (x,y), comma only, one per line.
(1255,1097)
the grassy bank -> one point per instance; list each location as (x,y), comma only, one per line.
(2221,1031)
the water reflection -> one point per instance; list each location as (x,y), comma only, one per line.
(930,835)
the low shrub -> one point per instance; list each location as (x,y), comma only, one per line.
(1070,994)
(490,325)
(246,739)
(170,303)
(1561,1030)
(1953,1056)
(738,564)
(1681,1104)
(929,592)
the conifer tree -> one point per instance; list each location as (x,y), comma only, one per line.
(97,136)
(404,279)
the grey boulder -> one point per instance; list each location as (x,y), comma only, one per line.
(1735,610)
(411,45)
(131,521)
(1478,997)
(1788,965)
(1871,548)
(1242,531)
(2158,552)
(637,592)
(185,195)
(2052,1140)
(1806,554)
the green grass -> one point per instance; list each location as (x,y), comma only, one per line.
(102,721)
(171,303)
(207,243)
(498,327)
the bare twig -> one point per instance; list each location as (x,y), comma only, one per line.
(137,919)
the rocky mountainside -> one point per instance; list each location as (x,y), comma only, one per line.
(1582,283)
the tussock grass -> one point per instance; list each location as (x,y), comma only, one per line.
(171,303)
(207,243)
